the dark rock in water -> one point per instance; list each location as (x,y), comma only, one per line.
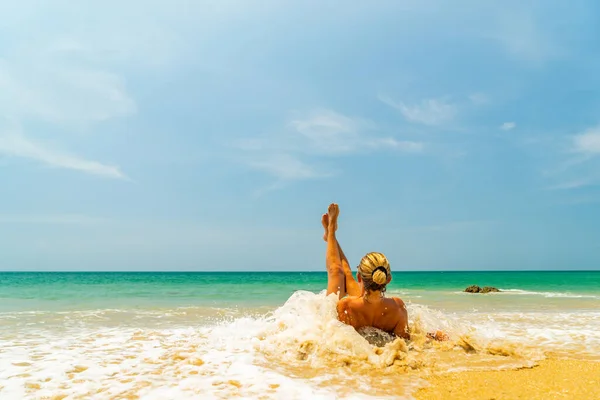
(477,289)
(376,337)
(473,289)
(488,289)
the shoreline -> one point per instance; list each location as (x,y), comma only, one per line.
(552,378)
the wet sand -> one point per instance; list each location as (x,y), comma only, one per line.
(550,379)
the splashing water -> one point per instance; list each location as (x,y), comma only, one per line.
(298,350)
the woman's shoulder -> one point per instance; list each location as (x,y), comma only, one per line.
(346,309)
(350,303)
(348,300)
(399,302)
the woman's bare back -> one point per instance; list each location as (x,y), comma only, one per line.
(387,314)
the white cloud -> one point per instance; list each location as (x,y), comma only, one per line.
(329,132)
(523,36)
(391,143)
(574,184)
(110,32)
(428,112)
(507,126)
(17,145)
(287,167)
(57,86)
(581,169)
(54,91)
(319,134)
(325,122)
(326,132)
(588,142)
(479,98)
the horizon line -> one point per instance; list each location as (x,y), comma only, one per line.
(293,271)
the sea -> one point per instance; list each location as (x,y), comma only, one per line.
(274,335)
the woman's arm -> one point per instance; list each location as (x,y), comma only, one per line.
(401,328)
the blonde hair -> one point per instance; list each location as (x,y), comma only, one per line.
(374,269)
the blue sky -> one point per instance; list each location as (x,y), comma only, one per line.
(211,135)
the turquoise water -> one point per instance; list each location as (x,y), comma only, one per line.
(32,291)
(185,335)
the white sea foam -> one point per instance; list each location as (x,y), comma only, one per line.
(299,350)
(233,357)
(550,294)
(534,293)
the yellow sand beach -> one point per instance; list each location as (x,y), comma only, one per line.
(550,379)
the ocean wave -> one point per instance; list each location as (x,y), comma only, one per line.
(299,350)
(287,353)
(549,294)
(522,292)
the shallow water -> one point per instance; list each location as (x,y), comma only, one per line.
(176,336)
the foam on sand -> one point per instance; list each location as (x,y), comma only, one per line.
(299,350)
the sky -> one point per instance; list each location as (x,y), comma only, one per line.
(212,135)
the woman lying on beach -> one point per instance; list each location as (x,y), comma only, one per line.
(365,305)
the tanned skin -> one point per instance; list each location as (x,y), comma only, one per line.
(336,280)
(360,309)
(352,287)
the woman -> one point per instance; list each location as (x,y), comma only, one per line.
(365,305)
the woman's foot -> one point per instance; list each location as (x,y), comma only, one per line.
(438,335)
(325,221)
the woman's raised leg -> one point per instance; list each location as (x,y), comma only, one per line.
(352,287)
(335,273)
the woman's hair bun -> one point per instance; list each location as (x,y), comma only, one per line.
(380,276)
